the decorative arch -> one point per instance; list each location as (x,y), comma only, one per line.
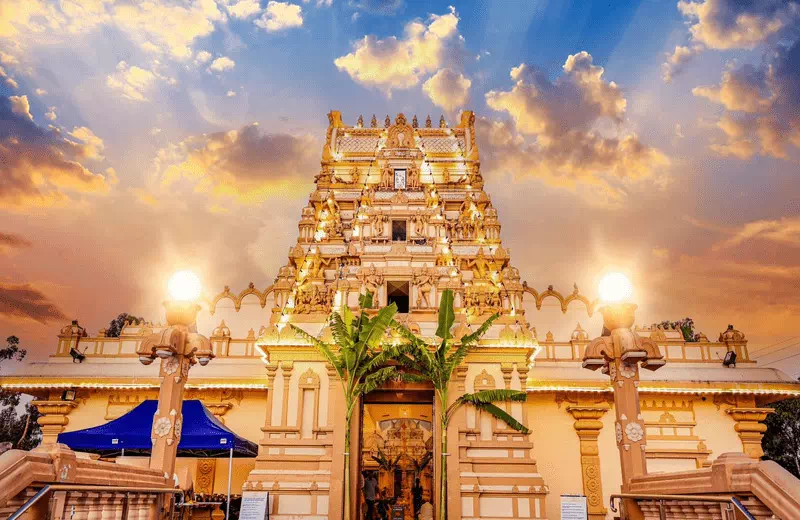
(564,302)
(237,298)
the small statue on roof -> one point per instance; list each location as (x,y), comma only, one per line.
(360,122)
(388,122)
(442,122)
(428,122)
(374,122)
(414,123)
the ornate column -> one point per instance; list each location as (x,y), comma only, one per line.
(619,353)
(286,371)
(54,418)
(587,426)
(749,424)
(272,370)
(178,347)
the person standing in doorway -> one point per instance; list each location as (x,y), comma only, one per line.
(370,493)
(416,494)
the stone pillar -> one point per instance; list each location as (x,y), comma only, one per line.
(286,371)
(750,427)
(588,426)
(619,354)
(54,418)
(177,348)
(272,370)
(168,420)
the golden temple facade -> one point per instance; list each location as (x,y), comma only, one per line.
(400,209)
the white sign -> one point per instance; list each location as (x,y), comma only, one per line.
(254,505)
(573,507)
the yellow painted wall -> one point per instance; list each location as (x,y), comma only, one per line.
(555,448)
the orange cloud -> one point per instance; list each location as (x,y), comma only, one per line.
(245,165)
(40,167)
(561,117)
(11,241)
(27,302)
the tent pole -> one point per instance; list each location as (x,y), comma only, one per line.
(230,473)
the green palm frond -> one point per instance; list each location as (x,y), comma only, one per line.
(372,332)
(478,334)
(447,315)
(339,329)
(376,379)
(323,347)
(503,416)
(493,396)
(365,300)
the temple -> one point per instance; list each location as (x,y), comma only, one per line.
(399,209)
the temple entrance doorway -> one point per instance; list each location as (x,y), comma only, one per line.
(396,463)
(398,292)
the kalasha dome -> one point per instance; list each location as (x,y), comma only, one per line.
(399,208)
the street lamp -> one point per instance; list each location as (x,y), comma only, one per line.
(619,352)
(178,347)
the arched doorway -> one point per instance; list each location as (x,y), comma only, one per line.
(397,453)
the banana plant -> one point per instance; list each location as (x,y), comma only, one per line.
(422,463)
(386,463)
(436,363)
(359,362)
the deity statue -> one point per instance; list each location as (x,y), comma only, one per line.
(378,222)
(431,196)
(387,178)
(315,263)
(367,194)
(424,279)
(371,279)
(413,177)
(481,265)
(419,220)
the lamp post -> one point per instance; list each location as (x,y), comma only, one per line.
(177,348)
(618,352)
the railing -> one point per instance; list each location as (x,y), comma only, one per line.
(731,507)
(100,489)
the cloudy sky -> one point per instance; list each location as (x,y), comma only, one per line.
(653,137)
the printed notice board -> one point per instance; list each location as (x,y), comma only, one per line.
(254,505)
(573,507)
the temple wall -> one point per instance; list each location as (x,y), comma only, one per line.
(555,448)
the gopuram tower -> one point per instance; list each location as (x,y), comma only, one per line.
(399,210)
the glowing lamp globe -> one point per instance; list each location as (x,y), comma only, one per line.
(615,288)
(184,286)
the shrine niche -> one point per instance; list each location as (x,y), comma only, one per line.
(401,134)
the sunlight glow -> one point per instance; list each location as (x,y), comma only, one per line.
(615,288)
(184,286)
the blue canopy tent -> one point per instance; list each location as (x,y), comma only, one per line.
(202,435)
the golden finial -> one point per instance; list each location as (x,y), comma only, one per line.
(388,122)
(428,122)
(360,122)
(414,122)
(442,122)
